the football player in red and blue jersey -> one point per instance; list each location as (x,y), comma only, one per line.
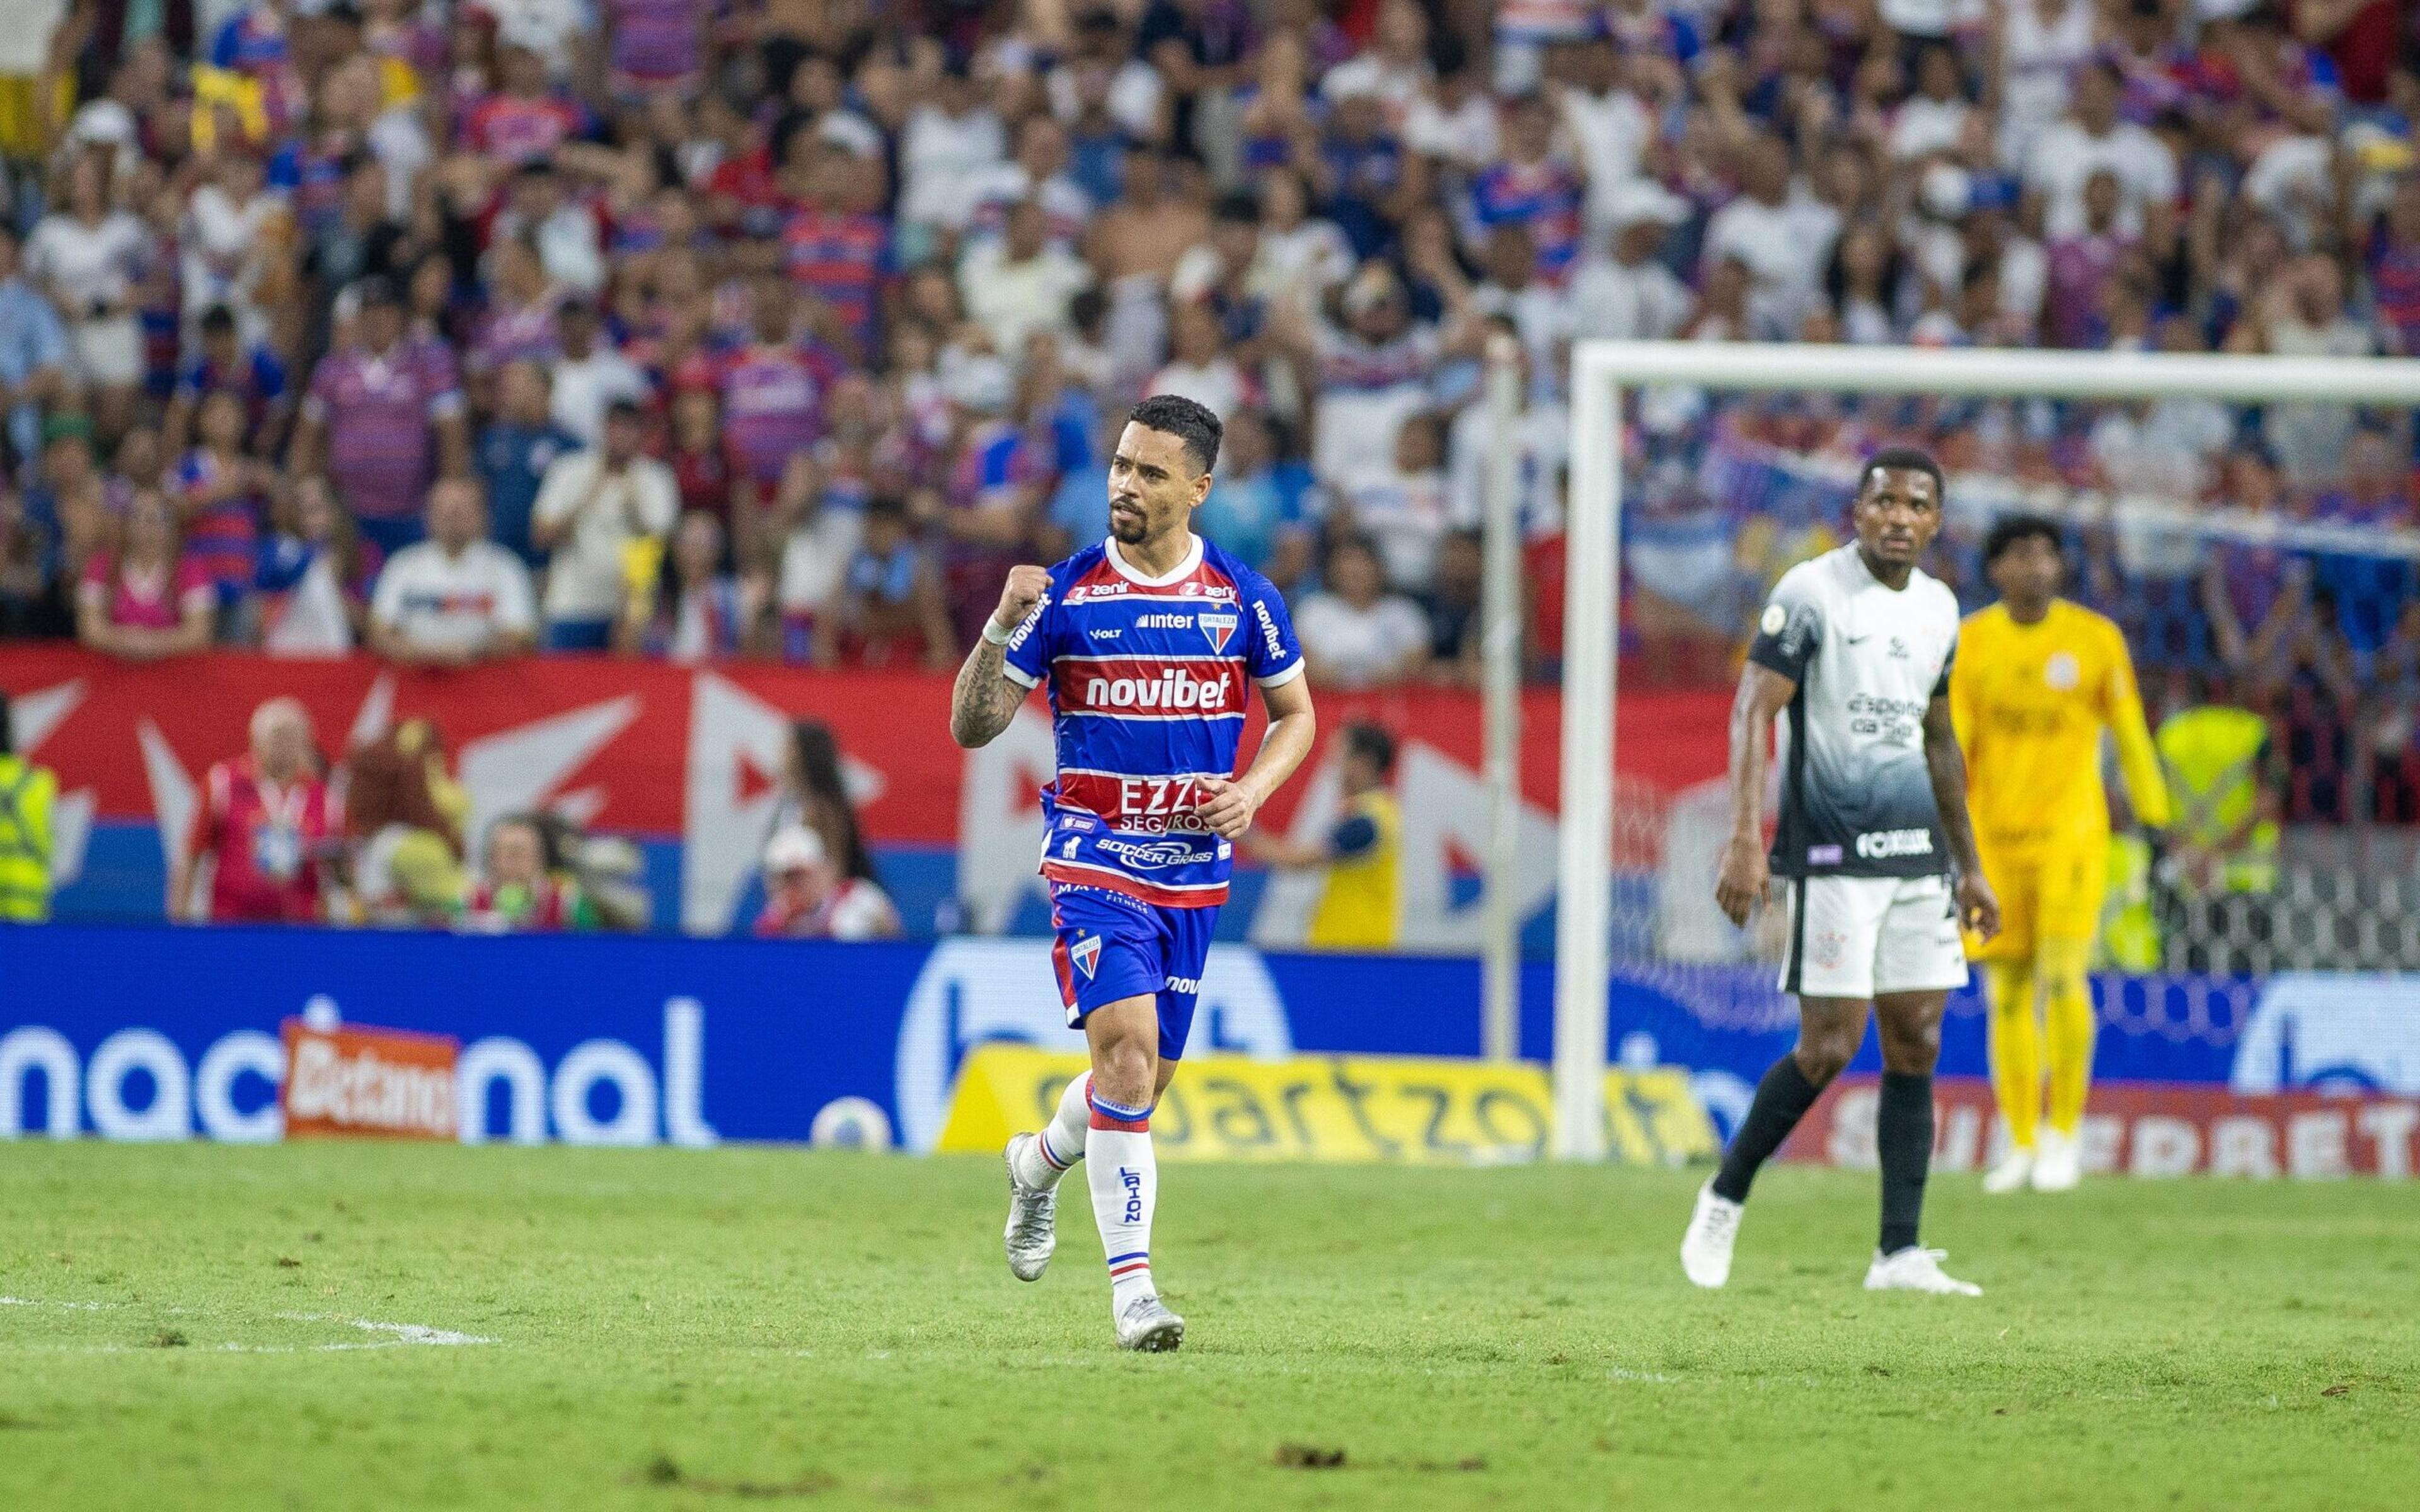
(1151,643)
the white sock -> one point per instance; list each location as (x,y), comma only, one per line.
(1125,1178)
(1061,1142)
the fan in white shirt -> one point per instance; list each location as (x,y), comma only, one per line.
(2043,45)
(1631,295)
(2092,138)
(1354,633)
(1407,508)
(945,148)
(591,507)
(1200,368)
(1609,127)
(1299,258)
(1935,118)
(457,597)
(591,377)
(1453,120)
(1019,283)
(1782,239)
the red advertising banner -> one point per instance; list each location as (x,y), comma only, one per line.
(2148,1129)
(624,736)
(697,754)
(363,1082)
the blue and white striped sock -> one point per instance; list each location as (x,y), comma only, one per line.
(1125,1178)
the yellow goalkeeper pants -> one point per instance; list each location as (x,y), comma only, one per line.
(2037,1004)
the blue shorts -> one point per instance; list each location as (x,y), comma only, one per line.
(1110,948)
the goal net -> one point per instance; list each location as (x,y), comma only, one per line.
(2244,520)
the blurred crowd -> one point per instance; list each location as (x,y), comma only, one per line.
(697,329)
(384,835)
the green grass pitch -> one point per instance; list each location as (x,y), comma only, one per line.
(684,1329)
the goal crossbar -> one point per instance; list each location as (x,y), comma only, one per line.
(1601,372)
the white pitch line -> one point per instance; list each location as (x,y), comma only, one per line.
(404,1333)
(419,1334)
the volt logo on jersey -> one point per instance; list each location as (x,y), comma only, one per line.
(1086,953)
(1217,627)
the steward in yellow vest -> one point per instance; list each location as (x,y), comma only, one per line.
(26,793)
(1360,908)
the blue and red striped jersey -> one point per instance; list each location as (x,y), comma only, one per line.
(1149,679)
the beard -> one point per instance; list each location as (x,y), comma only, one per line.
(1129,530)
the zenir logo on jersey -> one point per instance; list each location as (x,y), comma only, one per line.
(1217,627)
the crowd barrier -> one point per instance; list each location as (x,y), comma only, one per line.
(168,1033)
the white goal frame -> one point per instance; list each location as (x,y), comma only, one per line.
(1603,372)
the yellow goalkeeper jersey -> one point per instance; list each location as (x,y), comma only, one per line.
(2030,701)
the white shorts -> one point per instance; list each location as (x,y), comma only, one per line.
(1857,936)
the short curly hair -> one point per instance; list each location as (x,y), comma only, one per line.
(2009,529)
(1194,423)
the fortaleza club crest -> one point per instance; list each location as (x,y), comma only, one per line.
(1217,625)
(1086,953)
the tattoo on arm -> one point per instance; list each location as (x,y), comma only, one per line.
(986,699)
(1947,767)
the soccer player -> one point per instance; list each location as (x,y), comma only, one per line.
(1151,643)
(1855,646)
(2038,679)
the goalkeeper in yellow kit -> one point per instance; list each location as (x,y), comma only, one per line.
(2036,681)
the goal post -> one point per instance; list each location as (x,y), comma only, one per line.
(1603,374)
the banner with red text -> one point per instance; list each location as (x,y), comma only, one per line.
(2144,1129)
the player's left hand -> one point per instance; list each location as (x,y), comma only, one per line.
(1978,906)
(1230,808)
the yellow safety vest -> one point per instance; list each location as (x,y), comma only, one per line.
(25,795)
(1361,907)
(2212,755)
(2130,927)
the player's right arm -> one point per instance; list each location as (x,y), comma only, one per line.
(995,677)
(1763,693)
(1787,635)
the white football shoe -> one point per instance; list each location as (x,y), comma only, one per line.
(1033,1234)
(1706,1248)
(2015,1167)
(1917,1269)
(2059,1161)
(1148,1327)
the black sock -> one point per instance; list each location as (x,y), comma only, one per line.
(1781,1100)
(1903,1137)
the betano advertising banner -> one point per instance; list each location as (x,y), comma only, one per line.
(158,1033)
(689,762)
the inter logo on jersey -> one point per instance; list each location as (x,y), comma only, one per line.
(1086,953)
(1217,627)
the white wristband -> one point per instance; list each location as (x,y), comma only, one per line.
(994,634)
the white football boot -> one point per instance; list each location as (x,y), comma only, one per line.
(1917,1269)
(1148,1327)
(1033,1233)
(2058,1162)
(2012,1174)
(1706,1248)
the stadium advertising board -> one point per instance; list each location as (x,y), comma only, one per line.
(689,763)
(345,1080)
(2145,1129)
(157,1033)
(1389,1109)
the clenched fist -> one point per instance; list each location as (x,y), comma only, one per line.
(1025,587)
